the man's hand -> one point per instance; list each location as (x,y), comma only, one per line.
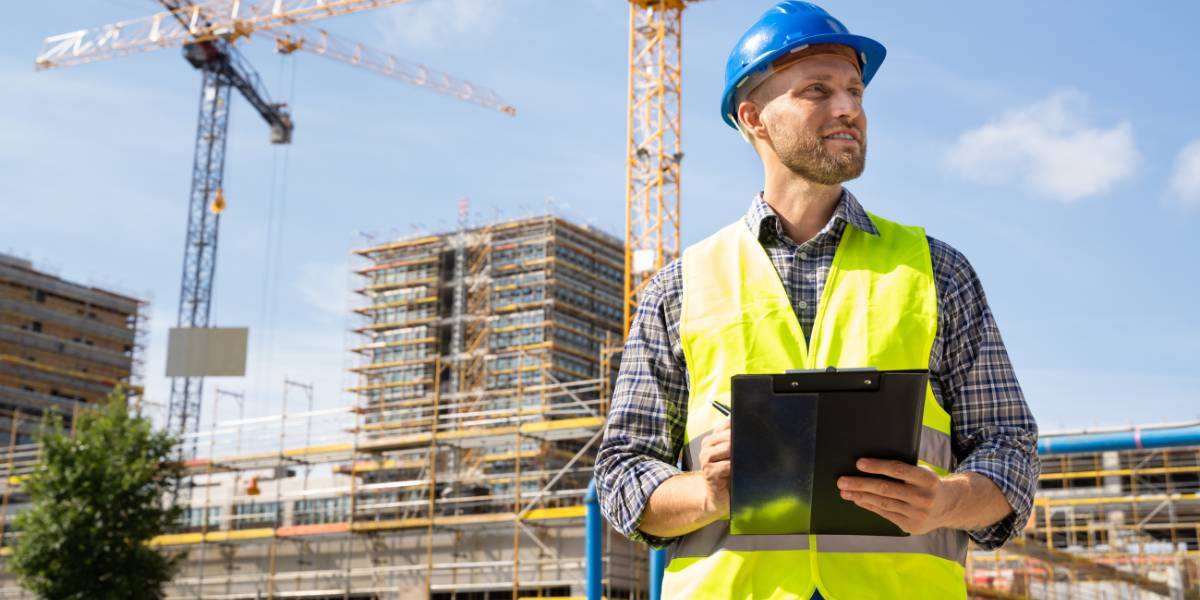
(693,499)
(918,501)
(714,463)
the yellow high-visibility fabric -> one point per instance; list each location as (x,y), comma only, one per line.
(878,309)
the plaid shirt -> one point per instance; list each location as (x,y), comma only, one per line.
(992,432)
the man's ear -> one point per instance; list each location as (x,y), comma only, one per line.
(749,121)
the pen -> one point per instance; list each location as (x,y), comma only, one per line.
(721,408)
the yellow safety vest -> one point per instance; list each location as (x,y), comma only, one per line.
(879,309)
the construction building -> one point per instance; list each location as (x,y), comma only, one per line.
(62,345)
(484,385)
(484,360)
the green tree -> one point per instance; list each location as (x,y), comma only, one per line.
(97,499)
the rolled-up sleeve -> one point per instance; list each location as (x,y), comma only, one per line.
(993,431)
(644,435)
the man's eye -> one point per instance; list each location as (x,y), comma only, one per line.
(818,88)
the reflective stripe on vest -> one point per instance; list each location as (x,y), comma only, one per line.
(878,309)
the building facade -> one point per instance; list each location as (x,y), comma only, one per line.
(62,345)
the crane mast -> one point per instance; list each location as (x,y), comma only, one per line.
(222,70)
(654,148)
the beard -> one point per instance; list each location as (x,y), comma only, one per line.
(804,152)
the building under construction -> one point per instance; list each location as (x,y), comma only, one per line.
(484,384)
(484,359)
(62,345)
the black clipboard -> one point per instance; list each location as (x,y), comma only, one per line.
(794,434)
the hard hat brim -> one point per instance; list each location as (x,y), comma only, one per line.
(870,55)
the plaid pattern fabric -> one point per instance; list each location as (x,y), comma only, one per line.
(993,432)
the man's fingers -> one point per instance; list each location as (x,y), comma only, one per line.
(716,446)
(720,469)
(715,452)
(888,488)
(897,470)
(717,473)
(724,425)
(717,436)
(873,502)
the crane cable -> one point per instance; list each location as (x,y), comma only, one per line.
(273,247)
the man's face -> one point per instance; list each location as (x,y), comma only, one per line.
(809,109)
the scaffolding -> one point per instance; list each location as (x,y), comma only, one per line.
(484,382)
(1119,524)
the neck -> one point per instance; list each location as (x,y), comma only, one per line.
(804,207)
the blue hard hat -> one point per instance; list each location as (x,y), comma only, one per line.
(787,27)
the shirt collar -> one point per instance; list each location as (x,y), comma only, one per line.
(762,220)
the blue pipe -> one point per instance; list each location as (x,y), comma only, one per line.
(1137,438)
(658,558)
(658,563)
(594,567)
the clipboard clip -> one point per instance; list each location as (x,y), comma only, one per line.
(830,379)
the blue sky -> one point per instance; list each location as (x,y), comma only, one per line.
(1056,144)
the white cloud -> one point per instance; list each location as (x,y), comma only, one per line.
(1049,147)
(440,24)
(1185,181)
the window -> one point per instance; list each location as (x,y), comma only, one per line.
(193,518)
(320,510)
(518,318)
(256,514)
(519,337)
(36,326)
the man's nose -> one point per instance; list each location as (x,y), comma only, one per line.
(846,104)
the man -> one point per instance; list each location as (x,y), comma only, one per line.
(857,290)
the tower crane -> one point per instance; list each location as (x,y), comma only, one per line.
(208,32)
(654,149)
